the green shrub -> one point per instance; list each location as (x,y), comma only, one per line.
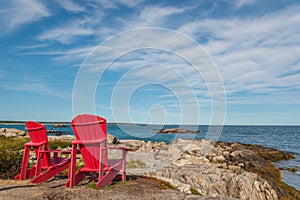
(135,164)
(194,191)
(54,144)
(12,143)
(92,185)
(11,157)
(165,186)
(10,163)
(110,186)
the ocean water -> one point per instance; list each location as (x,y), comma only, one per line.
(285,138)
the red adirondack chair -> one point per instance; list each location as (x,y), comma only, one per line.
(48,163)
(91,138)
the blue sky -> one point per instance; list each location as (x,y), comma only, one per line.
(255,45)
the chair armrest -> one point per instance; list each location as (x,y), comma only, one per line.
(33,144)
(120,148)
(57,151)
(89,142)
(123,149)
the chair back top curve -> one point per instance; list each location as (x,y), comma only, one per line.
(37,132)
(87,127)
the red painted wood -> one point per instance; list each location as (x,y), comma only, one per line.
(91,137)
(39,143)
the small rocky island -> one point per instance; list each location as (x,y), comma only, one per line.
(178,130)
(60,126)
(55,132)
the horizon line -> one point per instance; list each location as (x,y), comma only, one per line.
(137,123)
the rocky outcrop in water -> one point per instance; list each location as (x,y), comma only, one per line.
(60,126)
(55,132)
(178,130)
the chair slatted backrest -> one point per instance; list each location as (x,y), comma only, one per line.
(38,134)
(89,127)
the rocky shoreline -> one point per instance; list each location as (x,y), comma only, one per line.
(219,169)
(208,168)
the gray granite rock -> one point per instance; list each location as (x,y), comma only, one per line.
(202,167)
(11,132)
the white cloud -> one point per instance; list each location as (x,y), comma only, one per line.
(65,56)
(153,16)
(20,12)
(36,87)
(241,3)
(70,30)
(71,6)
(66,34)
(140,65)
(131,3)
(73,55)
(30,47)
(254,53)
(107,4)
(152,13)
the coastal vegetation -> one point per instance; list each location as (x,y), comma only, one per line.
(10,163)
(11,153)
(135,164)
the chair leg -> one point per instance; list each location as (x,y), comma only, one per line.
(107,178)
(72,169)
(111,173)
(124,170)
(39,161)
(124,165)
(94,177)
(78,177)
(24,172)
(29,173)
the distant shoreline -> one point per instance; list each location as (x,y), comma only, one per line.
(23,122)
(141,124)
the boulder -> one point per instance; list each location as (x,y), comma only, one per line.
(63,137)
(111,139)
(22,133)
(12,132)
(218,159)
(209,180)
(135,145)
